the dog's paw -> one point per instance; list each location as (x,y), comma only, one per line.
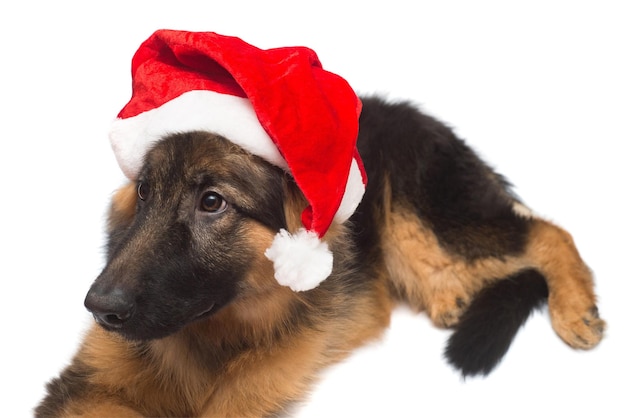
(446,311)
(580,329)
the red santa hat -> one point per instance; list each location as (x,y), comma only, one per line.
(278,104)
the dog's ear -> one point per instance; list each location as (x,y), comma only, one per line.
(123,206)
(121,212)
(294,204)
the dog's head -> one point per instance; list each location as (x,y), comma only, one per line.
(189,236)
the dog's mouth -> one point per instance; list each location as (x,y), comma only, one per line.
(207,312)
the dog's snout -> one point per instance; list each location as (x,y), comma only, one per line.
(110,309)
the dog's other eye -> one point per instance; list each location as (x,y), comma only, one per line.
(213,203)
(143,190)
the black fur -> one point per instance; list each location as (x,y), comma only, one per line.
(486,330)
(465,203)
(70,384)
(450,188)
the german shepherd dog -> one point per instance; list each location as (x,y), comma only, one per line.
(191,322)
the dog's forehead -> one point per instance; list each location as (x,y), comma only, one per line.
(193,153)
(197,156)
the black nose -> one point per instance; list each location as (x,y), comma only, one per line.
(110,309)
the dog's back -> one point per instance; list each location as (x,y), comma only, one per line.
(450,230)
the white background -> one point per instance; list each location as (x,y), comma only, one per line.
(537,87)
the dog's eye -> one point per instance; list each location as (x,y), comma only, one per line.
(143,190)
(213,203)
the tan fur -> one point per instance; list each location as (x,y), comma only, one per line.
(123,205)
(251,359)
(431,278)
(99,408)
(572,301)
(443,284)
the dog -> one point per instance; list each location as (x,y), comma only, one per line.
(189,320)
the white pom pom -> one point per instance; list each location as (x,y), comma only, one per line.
(301,261)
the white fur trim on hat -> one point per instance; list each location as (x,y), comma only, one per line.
(198,110)
(301,261)
(355,189)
